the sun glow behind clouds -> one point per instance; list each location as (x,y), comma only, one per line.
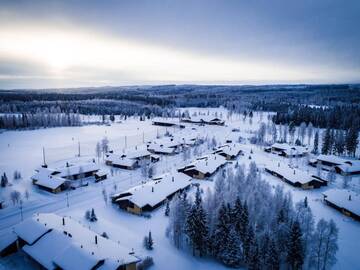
(65,52)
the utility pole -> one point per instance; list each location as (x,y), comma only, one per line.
(67,199)
(44,156)
(21,210)
(79,148)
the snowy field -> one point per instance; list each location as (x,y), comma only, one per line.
(22,151)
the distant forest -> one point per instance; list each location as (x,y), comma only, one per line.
(325,106)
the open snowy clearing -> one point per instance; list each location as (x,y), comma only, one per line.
(22,150)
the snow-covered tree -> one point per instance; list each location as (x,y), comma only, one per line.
(148,241)
(325,245)
(15,196)
(295,256)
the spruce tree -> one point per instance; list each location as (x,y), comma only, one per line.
(253,260)
(236,213)
(352,140)
(248,243)
(339,144)
(150,241)
(244,222)
(221,232)
(4,180)
(231,255)
(167,208)
(196,226)
(326,146)
(316,143)
(295,256)
(272,257)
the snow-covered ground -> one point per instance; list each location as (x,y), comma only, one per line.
(22,150)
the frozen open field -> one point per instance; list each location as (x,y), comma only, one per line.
(22,150)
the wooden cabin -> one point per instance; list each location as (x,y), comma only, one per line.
(296,177)
(152,194)
(56,242)
(204,167)
(229,151)
(286,150)
(345,201)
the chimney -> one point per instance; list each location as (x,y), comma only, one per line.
(294,171)
(96,240)
(279,164)
(152,189)
(67,164)
(172,178)
(349,197)
(63,221)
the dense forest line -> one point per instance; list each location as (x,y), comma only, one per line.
(325,106)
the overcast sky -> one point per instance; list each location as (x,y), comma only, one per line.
(94,43)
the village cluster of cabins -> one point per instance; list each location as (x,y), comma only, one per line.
(151,194)
(67,175)
(56,242)
(347,202)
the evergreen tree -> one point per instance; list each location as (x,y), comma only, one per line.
(221,232)
(231,255)
(244,223)
(167,208)
(248,243)
(4,180)
(326,146)
(196,226)
(316,143)
(352,140)
(236,213)
(295,256)
(292,128)
(272,257)
(253,260)
(339,143)
(150,242)
(93,216)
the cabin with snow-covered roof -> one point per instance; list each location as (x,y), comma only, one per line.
(56,242)
(327,161)
(345,201)
(286,150)
(350,167)
(342,165)
(174,122)
(46,179)
(204,167)
(150,195)
(229,151)
(204,119)
(57,179)
(295,177)
(121,161)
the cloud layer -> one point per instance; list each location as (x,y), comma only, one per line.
(84,43)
